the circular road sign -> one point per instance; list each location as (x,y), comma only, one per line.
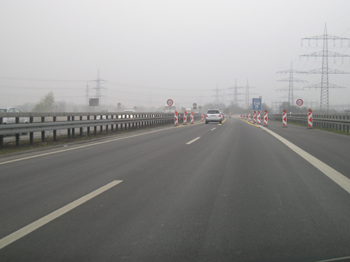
(169,102)
(300,102)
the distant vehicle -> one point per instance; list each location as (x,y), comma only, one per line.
(188,110)
(214,115)
(12,120)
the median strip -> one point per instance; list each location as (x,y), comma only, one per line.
(46,219)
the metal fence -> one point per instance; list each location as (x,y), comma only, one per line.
(84,122)
(339,122)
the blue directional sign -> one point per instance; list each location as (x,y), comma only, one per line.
(256,104)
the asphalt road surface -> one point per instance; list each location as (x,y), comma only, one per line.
(203,192)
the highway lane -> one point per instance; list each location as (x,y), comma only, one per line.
(331,148)
(235,194)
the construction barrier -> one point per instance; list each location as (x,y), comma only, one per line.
(284,118)
(265,118)
(185,118)
(249,119)
(254,117)
(202,120)
(192,118)
(309,118)
(259,118)
(176,116)
(246,117)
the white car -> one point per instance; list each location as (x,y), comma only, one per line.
(12,120)
(214,115)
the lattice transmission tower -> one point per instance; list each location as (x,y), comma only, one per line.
(247,94)
(217,96)
(291,80)
(87,94)
(325,71)
(235,93)
(98,86)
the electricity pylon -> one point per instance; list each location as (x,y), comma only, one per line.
(291,80)
(247,100)
(87,94)
(325,71)
(217,90)
(235,93)
(98,85)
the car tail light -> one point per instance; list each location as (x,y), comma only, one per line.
(206,115)
(220,115)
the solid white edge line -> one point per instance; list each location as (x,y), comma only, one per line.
(188,143)
(48,218)
(78,147)
(334,175)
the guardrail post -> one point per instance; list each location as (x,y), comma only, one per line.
(88,128)
(112,127)
(1,136)
(42,132)
(73,129)
(17,135)
(68,130)
(81,129)
(95,127)
(31,134)
(54,131)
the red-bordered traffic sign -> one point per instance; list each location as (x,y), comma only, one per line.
(300,102)
(169,102)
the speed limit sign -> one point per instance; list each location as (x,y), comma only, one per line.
(169,102)
(300,102)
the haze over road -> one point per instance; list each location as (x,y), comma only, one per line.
(235,193)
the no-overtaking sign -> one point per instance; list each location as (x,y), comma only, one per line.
(169,102)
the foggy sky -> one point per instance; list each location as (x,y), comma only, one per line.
(151,50)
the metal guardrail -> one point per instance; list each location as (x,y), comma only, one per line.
(339,122)
(42,122)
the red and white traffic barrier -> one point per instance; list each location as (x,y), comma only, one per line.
(192,118)
(176,116)
(265,118)
(259,118)
(254,117)
(185,118)
(249,119)
(284,118)
(202,120)
(309,119)
(246,117)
